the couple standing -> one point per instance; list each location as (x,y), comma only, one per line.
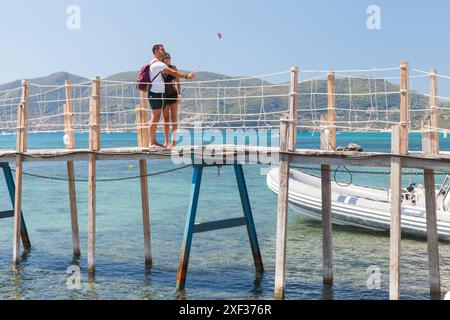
(164,95)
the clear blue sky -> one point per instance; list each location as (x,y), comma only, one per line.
(259,36)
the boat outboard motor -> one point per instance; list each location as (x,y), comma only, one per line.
(411,188)
(410,193)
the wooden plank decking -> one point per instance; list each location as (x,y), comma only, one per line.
(235,153)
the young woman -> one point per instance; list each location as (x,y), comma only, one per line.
(171,102)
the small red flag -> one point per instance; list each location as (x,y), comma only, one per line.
(219,35)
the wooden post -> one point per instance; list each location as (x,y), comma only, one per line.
(293,107)
(143,141)
(432,234)
(327,227)
(434,113)
(70,134)
(94,145)
(332,109)
(429,149)
(404,106)
(282,220)
(399,146)
(21,147)
(396,199)
(143,129)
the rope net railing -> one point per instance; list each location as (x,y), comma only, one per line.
(220,104)
(9,100)
(365,100)
(439,104)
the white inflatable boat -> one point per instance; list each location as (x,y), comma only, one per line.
(363,206)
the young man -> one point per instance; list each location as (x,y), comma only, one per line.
(156,93)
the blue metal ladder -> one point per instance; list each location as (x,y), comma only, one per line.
(10,213)
(191,227)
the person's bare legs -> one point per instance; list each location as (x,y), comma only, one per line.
(156,116)
(174,119)
(166,116)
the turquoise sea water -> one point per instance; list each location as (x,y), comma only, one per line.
(221,265)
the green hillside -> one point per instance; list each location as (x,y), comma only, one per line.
(201,99)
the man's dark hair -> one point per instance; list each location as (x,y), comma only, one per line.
(156,47)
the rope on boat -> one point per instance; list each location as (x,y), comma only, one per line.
(351,172)
(437,173)
(338,182)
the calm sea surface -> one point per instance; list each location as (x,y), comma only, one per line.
(221,263)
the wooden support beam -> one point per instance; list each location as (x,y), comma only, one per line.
(219,225)
(70,136)
(396,200)
(324,133)
(21,146)
(332,109)
(249,221)
(327,226)
(434,112)
(328,142)
(94,145)
(143,141)
(145,212)
(143,124)
(69,118)
(12,195)
(17,210)
(404,106)
(293,107)
(94,116)
(7,214)
(189,227)
(399,146)
(429,149)
(432,234)
(282,215)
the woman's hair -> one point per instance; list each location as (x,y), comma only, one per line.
(167,56)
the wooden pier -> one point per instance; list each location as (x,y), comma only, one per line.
(284,156)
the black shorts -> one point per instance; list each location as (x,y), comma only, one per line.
(156,100)
(170,100)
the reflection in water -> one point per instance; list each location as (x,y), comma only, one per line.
(148,276)
(327,292)
(436,296)
(91,291)
(257,286)
(147,293)
(75,261)
(182,295)
(25,255)
(17,276)
(16,284)
(91,277)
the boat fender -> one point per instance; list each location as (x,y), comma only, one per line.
(447,202)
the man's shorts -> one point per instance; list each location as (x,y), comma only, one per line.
(156,100)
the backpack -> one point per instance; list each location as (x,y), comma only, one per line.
(143,82)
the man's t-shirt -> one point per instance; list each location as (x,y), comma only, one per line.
(158,82)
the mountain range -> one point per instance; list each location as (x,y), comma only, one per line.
(202,103)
